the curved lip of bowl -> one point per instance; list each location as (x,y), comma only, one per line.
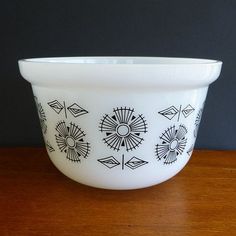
(120,72)
(121,60)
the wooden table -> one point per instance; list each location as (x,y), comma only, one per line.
(36,199)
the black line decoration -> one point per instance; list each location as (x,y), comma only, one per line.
(173,111)
(132,163)
(190,150)
(123,129)
(135,162)
(49,147)
(41,115)
(109,162)
(169,112)
(56,106)
(123,161)
(173,144)
(197,122)
(70,139)
(188,110)
(74,109)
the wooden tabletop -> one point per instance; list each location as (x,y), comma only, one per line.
(36,199)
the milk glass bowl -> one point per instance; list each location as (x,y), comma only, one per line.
(120,122)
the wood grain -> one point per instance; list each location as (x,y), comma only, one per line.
(36,199)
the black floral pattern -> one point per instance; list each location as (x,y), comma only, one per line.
(197,122)
(172,145)
(41,115)
(123,129)
(70,139)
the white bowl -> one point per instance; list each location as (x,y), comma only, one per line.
(120,122)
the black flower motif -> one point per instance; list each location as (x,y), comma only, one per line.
(70,139)
(123,129)
(197,122)
(42,116)
(173,144)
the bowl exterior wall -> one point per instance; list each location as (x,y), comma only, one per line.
(119,138)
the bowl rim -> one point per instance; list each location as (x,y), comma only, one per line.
(120,72)
(121,60)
